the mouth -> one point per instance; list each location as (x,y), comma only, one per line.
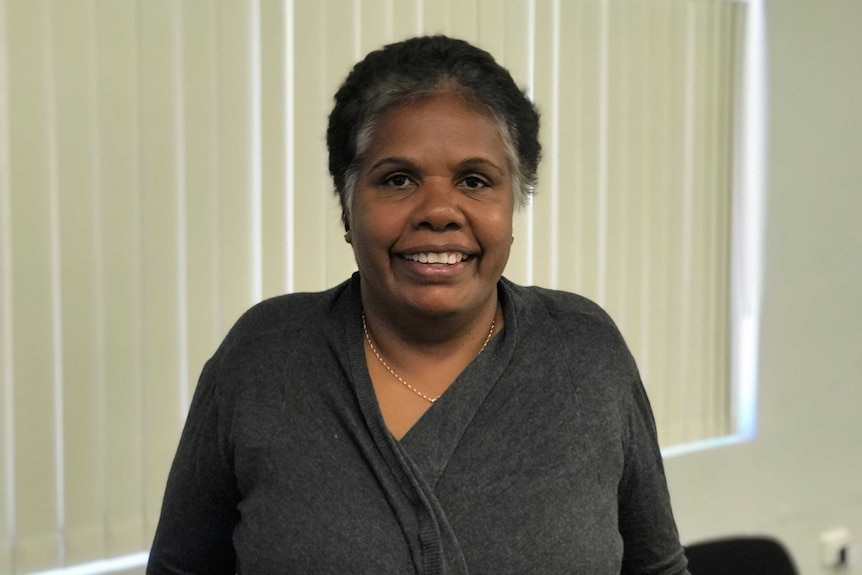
(448,258)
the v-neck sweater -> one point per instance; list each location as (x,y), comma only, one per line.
(541,457)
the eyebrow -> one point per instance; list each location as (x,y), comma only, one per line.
(396,160)
(471,163)
(467,164)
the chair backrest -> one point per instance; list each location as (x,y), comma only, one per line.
(739,556)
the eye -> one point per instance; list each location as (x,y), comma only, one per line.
(474,182)
(398,181)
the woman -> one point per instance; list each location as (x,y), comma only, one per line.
(426,416)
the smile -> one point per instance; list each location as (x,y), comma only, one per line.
(437,258)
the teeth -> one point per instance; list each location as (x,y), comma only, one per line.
(437,258)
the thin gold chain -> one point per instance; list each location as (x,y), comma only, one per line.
(401,379)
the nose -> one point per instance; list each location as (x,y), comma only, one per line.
(438,205)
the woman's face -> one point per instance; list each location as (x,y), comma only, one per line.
(431,220)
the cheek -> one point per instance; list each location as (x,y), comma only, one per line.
(373,238)
(500,226)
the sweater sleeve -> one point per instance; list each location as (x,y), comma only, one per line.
(650,538)
(199,511)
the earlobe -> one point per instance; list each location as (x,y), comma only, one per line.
(348,237)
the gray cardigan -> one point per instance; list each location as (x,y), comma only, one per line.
(541,458)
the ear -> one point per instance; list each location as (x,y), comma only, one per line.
(345,219)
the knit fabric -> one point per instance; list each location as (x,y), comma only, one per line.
(540,458)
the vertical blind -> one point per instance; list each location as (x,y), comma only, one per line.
(163,167)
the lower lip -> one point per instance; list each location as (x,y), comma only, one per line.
(435,272)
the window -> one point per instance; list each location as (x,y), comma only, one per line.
(162,167)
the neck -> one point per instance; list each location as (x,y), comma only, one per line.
(398,333)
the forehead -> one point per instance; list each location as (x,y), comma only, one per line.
(444,123)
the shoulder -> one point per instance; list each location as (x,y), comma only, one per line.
(284,316)
(572,326)
(564,309)
(278,336)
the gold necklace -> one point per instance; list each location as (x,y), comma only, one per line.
(398,377)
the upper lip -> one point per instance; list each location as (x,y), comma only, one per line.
(439,249)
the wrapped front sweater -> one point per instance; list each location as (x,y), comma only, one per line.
(541,457)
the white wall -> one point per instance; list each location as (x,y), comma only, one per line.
(803,474)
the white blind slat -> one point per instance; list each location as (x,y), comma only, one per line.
(542,86)
(81,278)
(164,167)
(341,41)
(275,93)
(7,390)
(312,194)
(206,319)
(162,207)
(34,284)
(435,16)
(239,193)
(376,21)
(121,230)
(406,19)
(462,19)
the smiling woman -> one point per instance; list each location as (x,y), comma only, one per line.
(431,226)
(427,415)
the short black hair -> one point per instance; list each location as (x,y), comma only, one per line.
(408,71)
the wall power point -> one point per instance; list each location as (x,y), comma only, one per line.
(835,548)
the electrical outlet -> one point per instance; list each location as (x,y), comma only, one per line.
(835,547)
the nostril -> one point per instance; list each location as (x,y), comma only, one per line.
(439,227)
(437,206)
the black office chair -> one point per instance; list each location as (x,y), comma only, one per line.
(739,556)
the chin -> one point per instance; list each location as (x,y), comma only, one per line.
(446,301)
